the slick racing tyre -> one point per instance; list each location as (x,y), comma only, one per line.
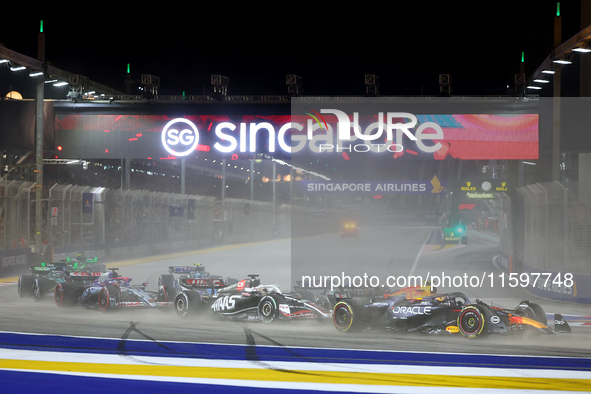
(471,322)
(40,288)
(187,303)
(268,309)
(100,268)
(539,314)
(65,295)
(107,296)
(25,285)
(344,318)
(166,288)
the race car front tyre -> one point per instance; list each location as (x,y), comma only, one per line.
(187,303)
(471,322)
(539,314)
(25,285)
(267,309)
(107,296)
(65,294)
(344,318)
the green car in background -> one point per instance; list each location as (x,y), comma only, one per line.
(44,277)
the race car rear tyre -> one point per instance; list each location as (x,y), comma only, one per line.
(99,268)
(471,322)
(267,309)
(40,288)
(344,318)
(65,294)
(105,295)
(166,289)
(187,303)
(25,285)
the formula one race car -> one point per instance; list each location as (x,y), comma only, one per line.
(437,313)
(193,278)
(480,319)
(84,264)
(110,291)
(349,229)
(46,276)
(249,300)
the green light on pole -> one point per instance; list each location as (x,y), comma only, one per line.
(522,57)
(558,9)
(41,27)
(128,68)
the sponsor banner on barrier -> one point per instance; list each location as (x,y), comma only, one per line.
(558,285)
(14,259)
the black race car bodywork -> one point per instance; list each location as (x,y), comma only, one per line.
(110,291)
(249,300)
(46,276)
(480,319)
(429,314)
(408,311)
(190,278)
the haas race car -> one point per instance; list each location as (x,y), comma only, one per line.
(418,309)
(249,300)
(45,277)
(109,292)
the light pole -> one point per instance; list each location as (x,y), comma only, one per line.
(39,147)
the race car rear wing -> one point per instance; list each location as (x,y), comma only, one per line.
(185,269)
(83,275)
(213,282)
(46,268)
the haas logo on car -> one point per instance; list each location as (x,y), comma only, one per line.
(226,303)
(241,285)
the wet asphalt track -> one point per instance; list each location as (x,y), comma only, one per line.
(378,251)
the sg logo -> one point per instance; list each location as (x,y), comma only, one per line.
(183,142)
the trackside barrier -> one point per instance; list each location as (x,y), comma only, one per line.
(15,260)
(557,230)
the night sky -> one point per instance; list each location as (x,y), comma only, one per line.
(331,48)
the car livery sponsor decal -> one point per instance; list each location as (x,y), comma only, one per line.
(412,310)
(284,308)
(241,285)
(85,274)
(129,304)
(226,303)
(452,329)
(495,319)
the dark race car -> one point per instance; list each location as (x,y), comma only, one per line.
(249,300)
(410,311)
(46,276)
(479,319)
(84,264)
(109,292)
(190,278)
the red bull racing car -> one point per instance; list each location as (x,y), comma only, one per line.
(418,309)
